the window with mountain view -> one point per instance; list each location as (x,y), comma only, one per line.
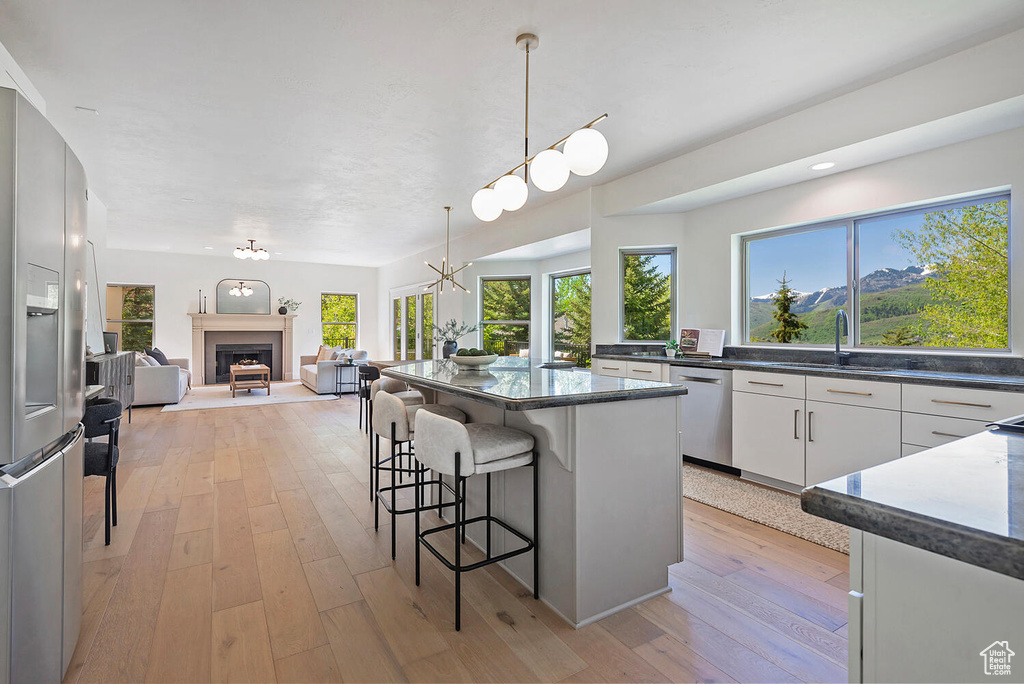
(505,323)
(926,277)
(648,295)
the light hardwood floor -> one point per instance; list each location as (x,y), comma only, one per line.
(245,551)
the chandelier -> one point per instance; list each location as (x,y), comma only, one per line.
(583,152)
(242,290)
(251,252)
(447,271)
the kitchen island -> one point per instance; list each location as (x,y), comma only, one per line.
(610,487)
(936,561)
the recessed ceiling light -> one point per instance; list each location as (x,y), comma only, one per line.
(822,166)
(207,247)
(86,110)
(188,199)
(278,252)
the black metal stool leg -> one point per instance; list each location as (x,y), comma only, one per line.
(393,491)
(536,527)
(417,479)
(376,488)
(113,496)
(464,509)
(106,514)
(488,515)
(458,547)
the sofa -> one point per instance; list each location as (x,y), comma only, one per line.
(320,376)
(162,384)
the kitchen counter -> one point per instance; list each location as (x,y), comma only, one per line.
(610,477)
(519,384)
(1005,383)
(963,500)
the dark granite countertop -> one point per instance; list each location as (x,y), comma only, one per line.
(1008,383)
(964,500)
(518,384)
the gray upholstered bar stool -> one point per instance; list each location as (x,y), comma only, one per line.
(399,389)
(397,420)
(449,447)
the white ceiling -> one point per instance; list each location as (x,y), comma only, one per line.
(335,131)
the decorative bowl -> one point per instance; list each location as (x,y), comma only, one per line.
(473,362)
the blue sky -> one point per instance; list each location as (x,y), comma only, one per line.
(817,259)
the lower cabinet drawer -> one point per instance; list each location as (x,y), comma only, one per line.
(643,371)
(853,392)
(933,431)
(615,369)
(774,384)
(957,402)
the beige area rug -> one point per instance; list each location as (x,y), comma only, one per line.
(771,507)
(219,396)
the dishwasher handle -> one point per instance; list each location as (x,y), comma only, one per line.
(690,378)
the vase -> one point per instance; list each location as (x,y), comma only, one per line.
(283,310)
(449,348)
(670,353)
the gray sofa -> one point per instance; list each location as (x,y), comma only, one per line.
(321,376)
(162,384)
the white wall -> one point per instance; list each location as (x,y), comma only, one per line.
(96,275)
(178,279)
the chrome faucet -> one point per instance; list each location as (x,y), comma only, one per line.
(842,328)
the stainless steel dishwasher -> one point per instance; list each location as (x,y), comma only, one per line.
(705,413)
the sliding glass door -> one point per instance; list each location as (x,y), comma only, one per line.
(570,317)
(413,321)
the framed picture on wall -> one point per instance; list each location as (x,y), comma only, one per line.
(109,342)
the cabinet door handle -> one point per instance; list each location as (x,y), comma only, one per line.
(810,417)
(769,384)
(859,394)
(796,419)
(609,368)
(960,403)
(947,434)
(640,370)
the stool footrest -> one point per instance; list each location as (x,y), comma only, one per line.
(487,561)
(402,511)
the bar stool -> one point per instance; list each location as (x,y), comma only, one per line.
(447,446)
(103,419)
(367,374)
(400,390)
(393,417)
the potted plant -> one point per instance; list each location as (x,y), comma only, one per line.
(449,334)
(671,349)
(288,305)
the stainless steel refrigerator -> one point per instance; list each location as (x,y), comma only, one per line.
(42,256)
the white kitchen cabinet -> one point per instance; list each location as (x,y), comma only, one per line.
(768,436)
(842,439)
(616,369)
(643,370)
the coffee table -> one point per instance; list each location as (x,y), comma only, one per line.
(250,378)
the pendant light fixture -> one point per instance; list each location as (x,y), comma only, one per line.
(583,152)
(447,271)
(242,290)
(251,252)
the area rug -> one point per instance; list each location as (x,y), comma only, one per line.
(219,396)
(770,507)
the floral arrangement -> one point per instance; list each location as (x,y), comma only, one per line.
(289,304)
(452,331)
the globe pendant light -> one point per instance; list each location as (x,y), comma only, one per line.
(251,252)
(584,153)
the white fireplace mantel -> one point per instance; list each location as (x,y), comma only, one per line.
(201,323)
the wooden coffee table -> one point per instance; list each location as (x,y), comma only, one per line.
(250,378)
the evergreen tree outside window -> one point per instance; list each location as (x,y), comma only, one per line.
(397,324)
(131,312)
(338,319)
(570,316)
(505,320)
(648,294)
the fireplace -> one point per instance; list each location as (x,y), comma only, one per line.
(210,330)
(231,354)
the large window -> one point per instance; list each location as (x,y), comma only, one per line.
(413,321)
(338,319)
(648,294)
(130,313)
(505,320)
(934,276)
(570,316)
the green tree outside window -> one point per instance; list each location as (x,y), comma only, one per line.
(338,319)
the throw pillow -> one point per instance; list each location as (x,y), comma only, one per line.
(158,355)
(150,361)
(140,359)
(323,354)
